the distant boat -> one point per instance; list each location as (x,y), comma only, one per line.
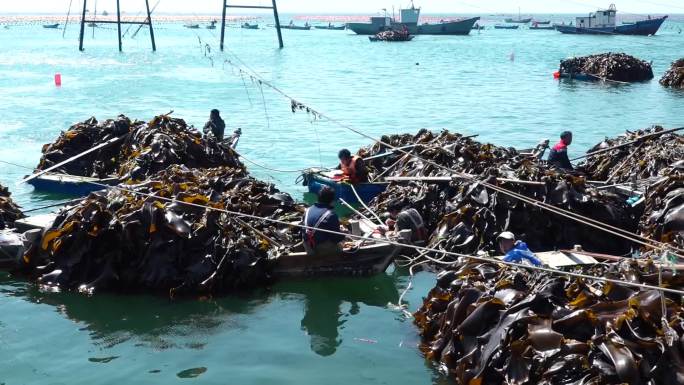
(104,13)
(51,26)
(519,20)
(92,25)
(543,28)
(545,22)
(331,27)
(212,25)
(506,26)
(305,27)
(409,19)
(602,22)
(249,26)
(191,26)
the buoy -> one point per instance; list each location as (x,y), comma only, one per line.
(58,79)
(556,75)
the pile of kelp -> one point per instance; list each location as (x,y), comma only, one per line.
(663,218)
(464,216)
(9,211)
(393,35)
(636,155)
(157,236)
(609,66)
(142,150)
(487,324)
(674,77)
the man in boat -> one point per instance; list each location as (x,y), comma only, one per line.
(322,216)
(353,167)
(558,156)
(216,126)
(516,251)
(406,218)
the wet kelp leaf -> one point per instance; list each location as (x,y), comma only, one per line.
(9,211)
(542,335)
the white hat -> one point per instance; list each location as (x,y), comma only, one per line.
(507,235)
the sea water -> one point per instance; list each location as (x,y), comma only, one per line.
(497,84)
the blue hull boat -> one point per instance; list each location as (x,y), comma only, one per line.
(70,184)
(641,28)
(315,180)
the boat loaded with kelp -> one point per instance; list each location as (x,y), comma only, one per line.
(603,22)
(410,21)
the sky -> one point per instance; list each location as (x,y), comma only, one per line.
(357,6)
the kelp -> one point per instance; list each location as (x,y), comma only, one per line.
(130,239)
(493,324)
(674,76)
(145,148)
(663,218)
(9,211)
(609,66)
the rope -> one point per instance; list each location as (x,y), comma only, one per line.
(398,244)
(264,166)
(364,204)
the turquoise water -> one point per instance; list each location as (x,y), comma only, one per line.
(303,332)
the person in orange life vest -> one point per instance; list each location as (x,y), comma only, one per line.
(403,217)
(322,216)
(558,156)
(353,168)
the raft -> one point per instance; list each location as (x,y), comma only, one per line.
(72,185)
(315,179)
(363,261)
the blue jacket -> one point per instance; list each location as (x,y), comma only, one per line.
(330,222)
(520,252)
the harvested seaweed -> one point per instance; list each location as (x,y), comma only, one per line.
(609,66)
(490,324)
(9,211)
(147,148)
(674,77)
(121,241)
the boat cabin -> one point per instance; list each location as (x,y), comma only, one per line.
(410,15)
(599,19)
(382,21)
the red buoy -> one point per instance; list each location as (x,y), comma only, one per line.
(556,75)
(58,79)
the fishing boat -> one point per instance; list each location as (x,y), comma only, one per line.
(543,27)
(315,179)
(211,25)
(305,27)
(364,260)
(51,26)
(409,19)
(506,26)
(519,20)
(71,185)
(331,27)
(249,26)
(545,22)
(191,26)
(603,22)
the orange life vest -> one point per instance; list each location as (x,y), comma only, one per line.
(349,172)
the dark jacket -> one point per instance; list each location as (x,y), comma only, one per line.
(411,220)
(216,127)
(558,157)
(330,222)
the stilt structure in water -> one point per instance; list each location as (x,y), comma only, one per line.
(274,7)
(118,23)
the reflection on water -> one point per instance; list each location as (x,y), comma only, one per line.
(162,324)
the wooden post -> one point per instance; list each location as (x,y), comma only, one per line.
(223,23)
(149,20)
(80,36)
(118,23)
(277,22)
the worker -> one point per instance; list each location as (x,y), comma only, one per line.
(558,156)
(353,167)
(322,216)
(402,217)
(215,125)
(516,251)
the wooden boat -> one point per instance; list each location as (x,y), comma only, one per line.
(70,184)
(305,27)
(543,28)
(603,22)
(375,38)
(51,26)
(249,26)
(331,27)
(191,26)
(364,261)
(519,20)
(545,22)
(506,26)
(315,179)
